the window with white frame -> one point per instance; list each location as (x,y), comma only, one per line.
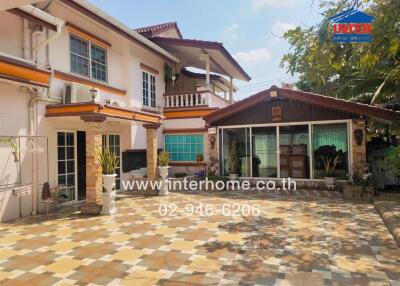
(88,59)
(148,90)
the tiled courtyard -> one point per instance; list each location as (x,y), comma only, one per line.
(297,240)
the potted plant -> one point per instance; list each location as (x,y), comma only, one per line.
(233,162)
(329,157)
(163,161)
(109,163)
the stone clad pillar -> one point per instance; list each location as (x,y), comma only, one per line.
(359,154)
(94,182)
(151,153)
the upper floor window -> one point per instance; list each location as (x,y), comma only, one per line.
(149,90)
(87,59)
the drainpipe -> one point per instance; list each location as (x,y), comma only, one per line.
(25,44)
(32,111)
(35,36)
(60,27)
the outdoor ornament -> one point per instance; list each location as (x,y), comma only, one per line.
(212,142)
(93,93)
(358,136)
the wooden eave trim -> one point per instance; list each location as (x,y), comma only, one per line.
(79,109)
(32,18)
(24,81)
(306,97)
(88,82)
(25,72)
(184,131)
(87,36)
(148,69)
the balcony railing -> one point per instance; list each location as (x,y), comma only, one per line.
(194,99)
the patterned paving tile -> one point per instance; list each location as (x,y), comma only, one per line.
(300,238)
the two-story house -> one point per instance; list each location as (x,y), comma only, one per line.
(74,79)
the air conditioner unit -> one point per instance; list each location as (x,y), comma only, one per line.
(75,92)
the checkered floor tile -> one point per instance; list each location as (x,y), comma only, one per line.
(302,238)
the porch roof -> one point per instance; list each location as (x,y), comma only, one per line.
(375,112)
(97,109)
(189,52)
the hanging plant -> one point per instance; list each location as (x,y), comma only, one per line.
(11,142)
(167,73)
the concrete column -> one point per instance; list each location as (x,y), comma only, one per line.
(151,153)
(230,89)
(94,182)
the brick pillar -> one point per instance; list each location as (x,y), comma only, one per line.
(94,186)
(212,149)
(151,153)
(359,155)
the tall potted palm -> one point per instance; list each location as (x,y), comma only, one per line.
(109,163)
(329,157)
(163,161)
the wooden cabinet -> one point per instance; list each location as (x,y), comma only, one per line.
(293,161)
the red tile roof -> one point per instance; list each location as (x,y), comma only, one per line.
(376,112)
(154,30)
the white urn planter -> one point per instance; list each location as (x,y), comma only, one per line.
(109,196)
(163,172)
(330,183)
(233,177)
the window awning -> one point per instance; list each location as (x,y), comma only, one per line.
(97,109)
(189,52)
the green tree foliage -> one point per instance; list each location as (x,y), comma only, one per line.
(362,71)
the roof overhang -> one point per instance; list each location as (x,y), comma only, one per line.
(374,112)
(215,78)
(22,71)
(96,109)
(10,4)
(190,51)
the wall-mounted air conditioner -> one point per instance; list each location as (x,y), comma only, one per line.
(75,92)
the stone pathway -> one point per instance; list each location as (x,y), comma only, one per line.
(298,239)
(388,206)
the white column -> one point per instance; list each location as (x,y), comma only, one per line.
(206,57)
(230,89)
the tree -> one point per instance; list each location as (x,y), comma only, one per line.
(368,72)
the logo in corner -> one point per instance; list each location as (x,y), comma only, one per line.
(352,26)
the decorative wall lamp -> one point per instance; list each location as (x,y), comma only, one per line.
(93,93)
(358,136)
(212,142)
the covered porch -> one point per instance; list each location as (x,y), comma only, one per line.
(96,123)
(281,133)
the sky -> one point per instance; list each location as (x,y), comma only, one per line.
(251,30)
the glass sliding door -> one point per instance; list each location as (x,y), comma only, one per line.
(66,160)
(264,158)
(330,139)
(293,146)
(236,151)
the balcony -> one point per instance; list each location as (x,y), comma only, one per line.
(194,99)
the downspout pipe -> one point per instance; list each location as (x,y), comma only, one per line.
(32,133)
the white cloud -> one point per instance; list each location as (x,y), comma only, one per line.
(259,4)
(232,31)
(253,57)
(279,28)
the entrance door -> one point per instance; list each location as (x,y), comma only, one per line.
(81,164)
(66,165)
(112,141)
